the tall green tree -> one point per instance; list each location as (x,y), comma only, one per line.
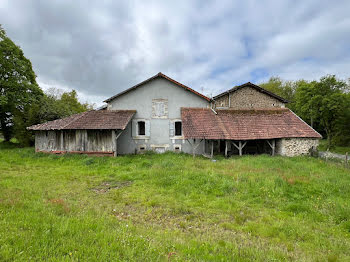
(276,85)
(322,101)
(18,86)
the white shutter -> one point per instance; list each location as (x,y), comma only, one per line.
(134,127)
(147,128)
(171,128)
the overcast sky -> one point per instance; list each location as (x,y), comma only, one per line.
(100,48)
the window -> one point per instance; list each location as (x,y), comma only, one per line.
(178,128)
(141,127)
(177,148)
(142,149)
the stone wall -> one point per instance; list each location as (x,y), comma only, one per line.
(222,101)
(248,98)
(295,146)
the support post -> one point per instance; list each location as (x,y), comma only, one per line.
(346,159)
(272,145)
(212,149)
(193,147)
(240,146)
(226,148)
(62,147)
(114,143)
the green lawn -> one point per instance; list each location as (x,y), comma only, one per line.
(172,207)
(335,149)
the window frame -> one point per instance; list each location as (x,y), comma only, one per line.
(172,124)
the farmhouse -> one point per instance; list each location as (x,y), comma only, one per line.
(162,114)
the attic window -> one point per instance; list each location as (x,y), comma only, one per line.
(141,128)
(178,128)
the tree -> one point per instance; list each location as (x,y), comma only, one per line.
(276,85)
(54,105)
(18,87)
(324,102)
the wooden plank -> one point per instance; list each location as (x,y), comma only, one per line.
(212,149)
(226,142)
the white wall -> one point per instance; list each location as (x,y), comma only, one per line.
(140,100)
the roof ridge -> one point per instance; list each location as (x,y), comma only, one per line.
(160,74)
(259,88)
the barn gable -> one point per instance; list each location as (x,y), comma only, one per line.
(248,96)
(159,75)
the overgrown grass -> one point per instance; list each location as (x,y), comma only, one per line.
(336,149)
(172,207)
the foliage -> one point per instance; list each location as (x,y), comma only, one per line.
(22,102)
(285,89)
(324,104)
(18,87)
(152,207)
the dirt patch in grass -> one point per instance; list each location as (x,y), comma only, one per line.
(105,186)
(59,203)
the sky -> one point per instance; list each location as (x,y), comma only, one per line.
(99,48)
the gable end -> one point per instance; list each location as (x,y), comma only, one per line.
(152,78)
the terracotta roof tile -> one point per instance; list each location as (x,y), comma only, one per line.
(102,119)
(244,124)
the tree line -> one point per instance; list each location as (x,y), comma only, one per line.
(22,102)
(324,104)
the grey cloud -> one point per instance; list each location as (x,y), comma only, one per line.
(102,47)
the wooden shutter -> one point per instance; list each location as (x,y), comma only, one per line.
(147,128)
(134,127)
(171,128)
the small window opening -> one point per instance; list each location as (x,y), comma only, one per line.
(177,148)
(141,128)
(178,128)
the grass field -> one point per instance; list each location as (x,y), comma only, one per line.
(172,207)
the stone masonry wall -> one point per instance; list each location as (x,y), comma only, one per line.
(222,101)
(295,146)
(248,98)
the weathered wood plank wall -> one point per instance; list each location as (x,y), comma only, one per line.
(74,140)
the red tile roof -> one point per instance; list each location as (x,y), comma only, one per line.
(102,119)
(244,124)
(154,77)
(258,88)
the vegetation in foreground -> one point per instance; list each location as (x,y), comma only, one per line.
(172,207)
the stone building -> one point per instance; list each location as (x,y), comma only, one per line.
(162,114)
